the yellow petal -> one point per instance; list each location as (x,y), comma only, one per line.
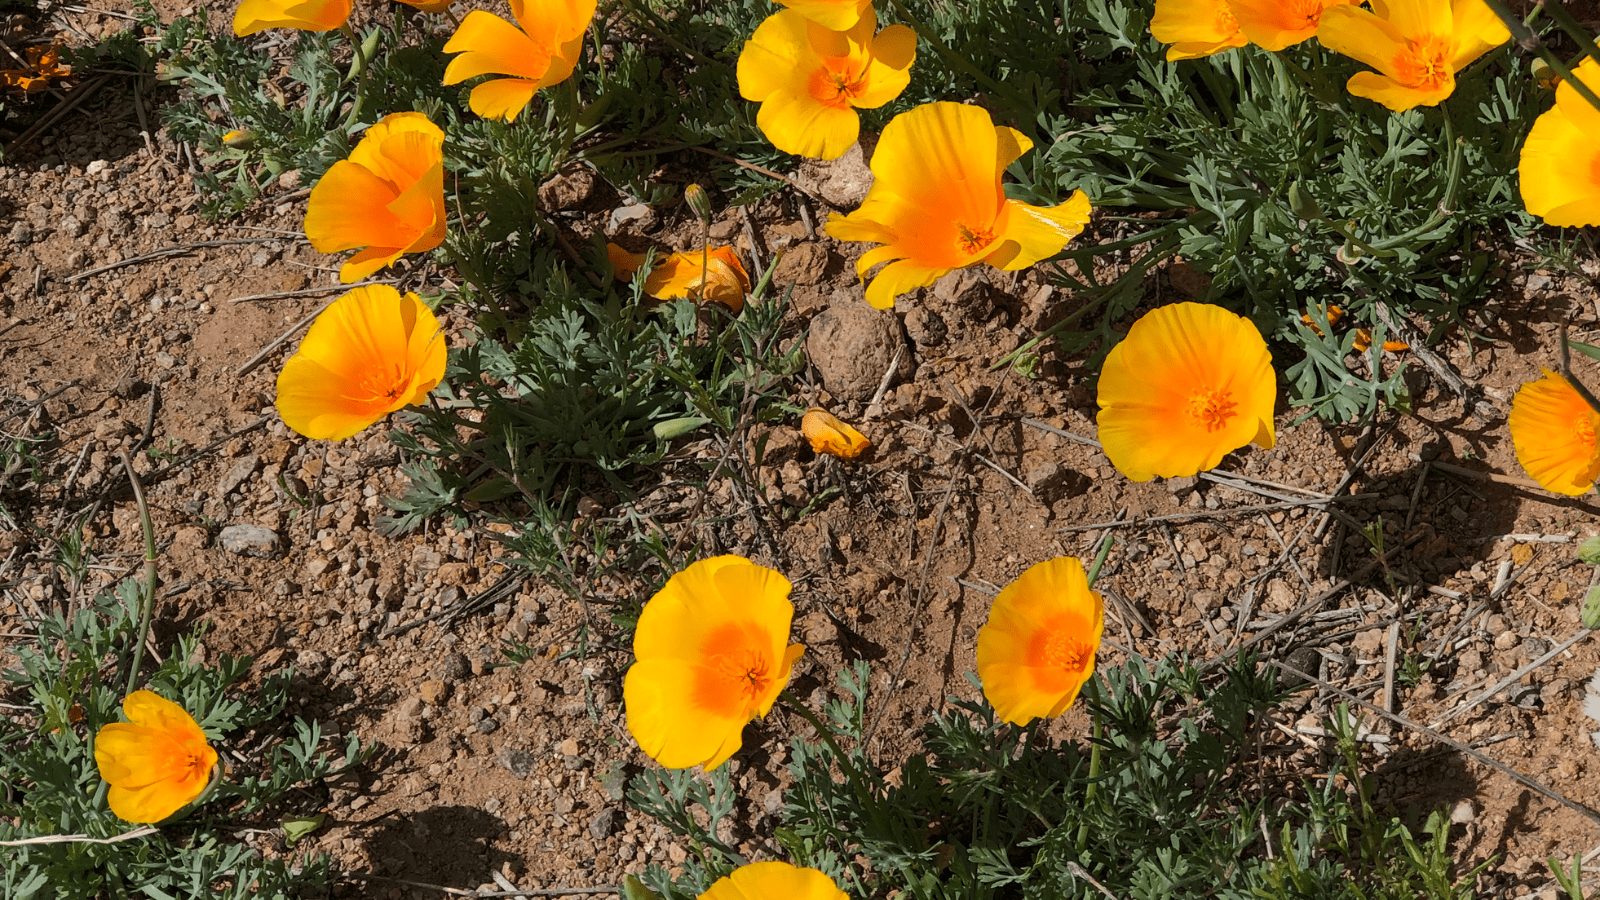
(1190,383)
(1195,28)
(1038,647)
(315,15)
(835,15)
(1361,35)
(670,731)
(1033,233)
(370,353)
(502,98)
(1580,112)
(1553,431)
(623,263)
(1276,24)
(778,57)
(489,45)
(1558,171)
(828,434)
(798,124)
(894,49)
(899,278)
(680,275)
(432,6)
(349,208)
(1477,31)
(561,20)
(774,881)
(1393,95)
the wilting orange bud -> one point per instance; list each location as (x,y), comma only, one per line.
(1038,647)
(829,434)
(711,653)
(156,762)
(680,275)
(1364,340)
(1334,315)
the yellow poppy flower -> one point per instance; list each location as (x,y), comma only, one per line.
(539,53)
(1417,46)
(829,434)
(306,15)
(774,881)
(1196,28)
(1190,383)
(810,81)
(936,203)
(1276,24)
(156,762)
(1038,647)
(711,652)
(834,15)
(1553,431)
(370,353)
(1560,166)
(388,197)
(679,275)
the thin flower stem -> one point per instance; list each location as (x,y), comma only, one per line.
(147,601)
(1093,787)
(1567,23)
(358,74)
(1528,40)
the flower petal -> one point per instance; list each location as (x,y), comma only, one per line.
(774,880)
(1033,233)
(1557,171)
(502,98)
(835,15)
(312,15)
(669,730)
(489,45)
(1553,430)
(799,124)
(778,57)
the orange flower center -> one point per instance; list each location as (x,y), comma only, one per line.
(972,240)
(1226,24)
(1064,652)
(735,673)
(1211,409)
(1424,63)
(1302,14)
(192,764)
(838,83)
(382,385)
(1583,434)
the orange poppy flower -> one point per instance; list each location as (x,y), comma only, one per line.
(936,203)
(1038,647)
(539,53)
(680,275)
(1276,24)
(1364,340)
(370,353)
(1560,166)
(774,881)
(810,81)
(1417,46)
(306,15)
(156,762)
(829,434)
(388,197)
(1196,28)
(43,64)
(1190,383)
(711,652)
(1553,431)
(834,15)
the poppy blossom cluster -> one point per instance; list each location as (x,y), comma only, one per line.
(1416,46)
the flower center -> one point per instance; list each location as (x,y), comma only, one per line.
(1583,433)
(382,384)
(1061,651)
(838,83)
(735,671)
(1424,63)
(971,240)
(1226,24)
(1302,13)
(1211,409)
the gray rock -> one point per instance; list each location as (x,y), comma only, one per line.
(848,179)
(517,762)
(22,233)
(454,668)
(1047,481)
(249,540)
(635,214)
(487,725)
(237,474)
(603,824)
(925,327)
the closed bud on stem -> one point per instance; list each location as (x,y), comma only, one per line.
(240,138)
(1303,206)
(1543,73)
(700,202)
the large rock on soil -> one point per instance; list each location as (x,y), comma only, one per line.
(852,345)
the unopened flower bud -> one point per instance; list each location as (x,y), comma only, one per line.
(240,138)
(1303,206)
(699,202)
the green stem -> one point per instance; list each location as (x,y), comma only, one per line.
(1525,37)
(358,74)
(147,601)
(1093,787)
